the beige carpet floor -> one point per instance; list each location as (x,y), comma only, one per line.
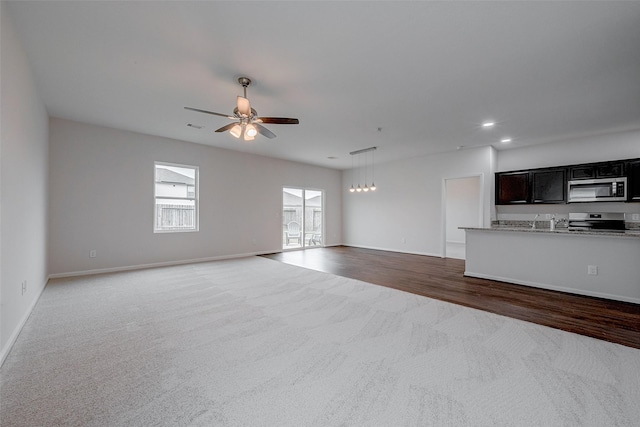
(254,342)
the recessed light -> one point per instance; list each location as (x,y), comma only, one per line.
(488,125)
(506,140)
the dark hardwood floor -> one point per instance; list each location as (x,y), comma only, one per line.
(443,279)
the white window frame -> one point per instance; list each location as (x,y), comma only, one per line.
(195,199)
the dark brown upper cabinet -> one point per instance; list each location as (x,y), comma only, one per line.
(549,186)
(597,170)
(582,172)
(512,188)
(633,181)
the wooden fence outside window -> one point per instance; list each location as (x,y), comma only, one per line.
(175,217)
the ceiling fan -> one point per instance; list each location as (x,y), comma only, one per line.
(248,123)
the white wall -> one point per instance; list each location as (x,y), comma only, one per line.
(408,202)
(240,200)
(614,146)
(23,182)
(462,206)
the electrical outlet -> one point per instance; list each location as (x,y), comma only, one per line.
(24,287)
(92,253)
(592,270)
(635,217)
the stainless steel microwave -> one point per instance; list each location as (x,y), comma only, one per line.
(597,190)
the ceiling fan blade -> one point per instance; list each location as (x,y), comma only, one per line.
(244,107)
(264,131)
(227,127)
(209,112)
(278,120)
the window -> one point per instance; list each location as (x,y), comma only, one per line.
(176,198)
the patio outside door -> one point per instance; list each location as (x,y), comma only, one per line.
(301,218)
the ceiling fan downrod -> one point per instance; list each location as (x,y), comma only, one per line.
(244,82)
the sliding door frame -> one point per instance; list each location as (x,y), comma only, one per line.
(303,239)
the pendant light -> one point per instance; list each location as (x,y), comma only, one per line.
(366,187)
(373,170)
(352,189)
(359,189)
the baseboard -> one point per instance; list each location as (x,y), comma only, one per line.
(154,265)
(16,332)
(375,248)
(554,288)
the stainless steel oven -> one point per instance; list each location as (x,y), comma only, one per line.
(611,221)
(597,190)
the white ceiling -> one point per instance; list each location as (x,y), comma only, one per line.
(426,73)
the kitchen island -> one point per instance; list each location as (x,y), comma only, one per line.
(594,263)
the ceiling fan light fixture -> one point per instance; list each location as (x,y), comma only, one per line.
(236,131)
(251,131)
(244,107)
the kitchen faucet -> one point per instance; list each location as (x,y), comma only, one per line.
(533,224)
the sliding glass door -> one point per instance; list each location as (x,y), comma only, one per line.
(302,215)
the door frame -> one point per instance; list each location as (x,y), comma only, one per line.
(322,224)
(480,176)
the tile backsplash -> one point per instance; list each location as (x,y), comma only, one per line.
(511,220)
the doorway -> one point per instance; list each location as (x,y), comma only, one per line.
(302,218)
(462,208)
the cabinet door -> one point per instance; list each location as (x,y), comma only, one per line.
(512,188)
(610,170)
(582,172)
(549,186)
(634,181)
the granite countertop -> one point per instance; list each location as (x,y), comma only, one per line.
(560,230)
